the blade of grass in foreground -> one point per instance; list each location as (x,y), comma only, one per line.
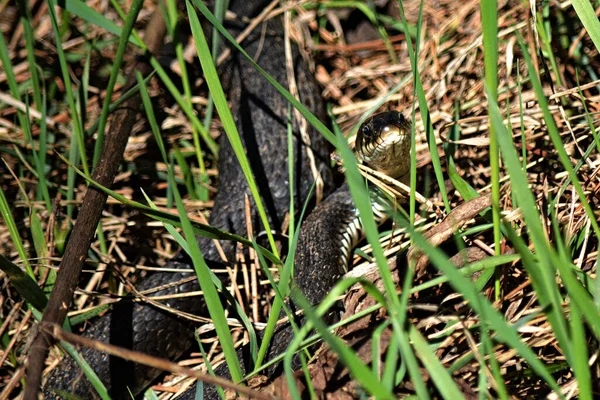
(213,302)
(182,242)
(543,249)
(543,278)
(580,366)
(588,17)
(440,376)
(425,115)
(357,368)
(216,90)
(362,201)
(489,26)
(134,10)
(505,333)
(282,289)
(314,121)
(556,139)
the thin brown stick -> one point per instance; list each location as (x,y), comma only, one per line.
(142,358)
(90,213)
(452,223)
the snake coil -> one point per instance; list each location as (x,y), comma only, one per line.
(261,119)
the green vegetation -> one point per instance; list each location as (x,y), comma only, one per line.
(500,105)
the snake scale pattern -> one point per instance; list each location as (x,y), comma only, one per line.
(325,237)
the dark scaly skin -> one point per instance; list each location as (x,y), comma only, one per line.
(261,116)
(320,247)
(316,270)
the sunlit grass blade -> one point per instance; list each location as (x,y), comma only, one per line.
(489,26)
(439,375)
(23,119)
(211,296)
(171,229)
(134,10)
(545,283)
(314,121)
(588,17)
(557,141)
(283,287)
(425,115)
(184,103)
(580,351)
(214,84)
(504,332)
(357,368)
(205,276)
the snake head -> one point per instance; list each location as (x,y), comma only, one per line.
(383,143)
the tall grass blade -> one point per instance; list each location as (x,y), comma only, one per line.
(24,284)
(214,84)
(588,17)
(134,10)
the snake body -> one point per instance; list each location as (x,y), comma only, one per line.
(326,236)
(261,115)
(334,227)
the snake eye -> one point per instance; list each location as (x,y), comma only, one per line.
(366,131)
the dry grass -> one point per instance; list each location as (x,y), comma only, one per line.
(353,76)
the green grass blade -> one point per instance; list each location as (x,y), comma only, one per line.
(588,17)
(214,84)
(545,284)
(134,10)
(581,368)
(178,237)
(6,214)
(283,286)
(504,332)
(557,141)
(24,284)
(88,14)
(489,25)
(314,121)
(358,370)
(75,118)
(425,115)
(211,296)
(439,375)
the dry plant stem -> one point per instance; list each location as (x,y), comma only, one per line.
(12,384)
(90,213)
(57,333)
(454,221)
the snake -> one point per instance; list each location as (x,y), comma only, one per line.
(326,236)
